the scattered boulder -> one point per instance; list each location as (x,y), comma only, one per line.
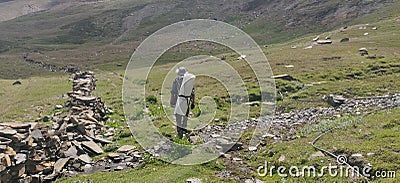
(252,148)
(193,180)
(253,180)
(334,100)
(237,159)
(286,77)
(345,40)
(328,37)
(282,158)
(332,58)
(268,135)
(289,66)
(17,83)
(363,51)
(324,42)
(308,47)
(58,107)
(242,57)
(357,155)
(316,155)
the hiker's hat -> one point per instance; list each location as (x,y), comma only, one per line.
(181,71)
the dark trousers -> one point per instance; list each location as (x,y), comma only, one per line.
(181,125)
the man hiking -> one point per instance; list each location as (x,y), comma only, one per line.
(182,96)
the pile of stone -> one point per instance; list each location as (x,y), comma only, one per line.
(33,153)
(363,51)
(50,67)
(15,145)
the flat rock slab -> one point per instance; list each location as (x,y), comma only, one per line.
(16,125)
(93,147)
(8,131)
(85,158)
(114,155)
(103,141)
(316,155)
(126,148)
(59,165)
(324,42)
(194,180)
(284,77)
(252,148)
(72,152)
(85,99)
(4,141)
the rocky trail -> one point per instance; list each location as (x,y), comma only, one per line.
(284,126)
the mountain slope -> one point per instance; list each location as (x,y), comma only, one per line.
(78,22)
(11,9)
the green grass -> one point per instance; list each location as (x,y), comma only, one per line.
(376,133)
(157,172)
(33,99)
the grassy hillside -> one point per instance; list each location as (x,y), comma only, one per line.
(82,36)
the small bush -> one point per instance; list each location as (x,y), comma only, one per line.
(152,99)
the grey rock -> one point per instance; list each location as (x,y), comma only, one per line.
(8,132)
(324,42)
(102,141)
(237,159)
(286,77)
(72,152)
(93,147)
(20,158)
(17,83)
(126,148)
(85,158)
(59,165)
(282,158)
(252,148)
(345,40)
(193,180)
(118,168)
(316,155)
(37,134)
(113,155)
